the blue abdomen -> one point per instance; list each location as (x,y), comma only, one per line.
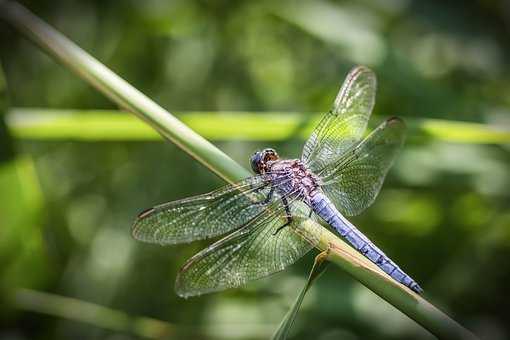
(323,207)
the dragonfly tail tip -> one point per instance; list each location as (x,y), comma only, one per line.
(416,288)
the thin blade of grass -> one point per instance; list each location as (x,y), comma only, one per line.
(319,266)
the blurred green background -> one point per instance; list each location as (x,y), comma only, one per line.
(66,206)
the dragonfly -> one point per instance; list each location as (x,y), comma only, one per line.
(339,174)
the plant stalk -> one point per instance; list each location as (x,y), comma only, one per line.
(119,91)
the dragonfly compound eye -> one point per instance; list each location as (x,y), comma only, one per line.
(270,155)
(256,160)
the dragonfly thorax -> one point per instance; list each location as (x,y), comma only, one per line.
(294,178)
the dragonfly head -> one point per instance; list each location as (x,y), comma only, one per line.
(260,159)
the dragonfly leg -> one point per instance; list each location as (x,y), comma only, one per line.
(268,198)
(288,215)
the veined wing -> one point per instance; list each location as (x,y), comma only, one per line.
(204,216)
(355,180)
(249,253)
(342,128)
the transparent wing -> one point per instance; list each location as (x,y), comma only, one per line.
(206,215)
(342,128)
(355,180)
(249,253)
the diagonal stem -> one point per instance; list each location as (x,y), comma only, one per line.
(126,96)
(119,91)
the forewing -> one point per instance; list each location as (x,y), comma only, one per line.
(343,127)
(355,180)
(250,253)
(203,216)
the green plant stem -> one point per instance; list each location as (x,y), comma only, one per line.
(408,302)
(94,125)
(132,100)
(118,90)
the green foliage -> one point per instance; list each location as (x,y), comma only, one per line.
(90,313)
(442,214)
